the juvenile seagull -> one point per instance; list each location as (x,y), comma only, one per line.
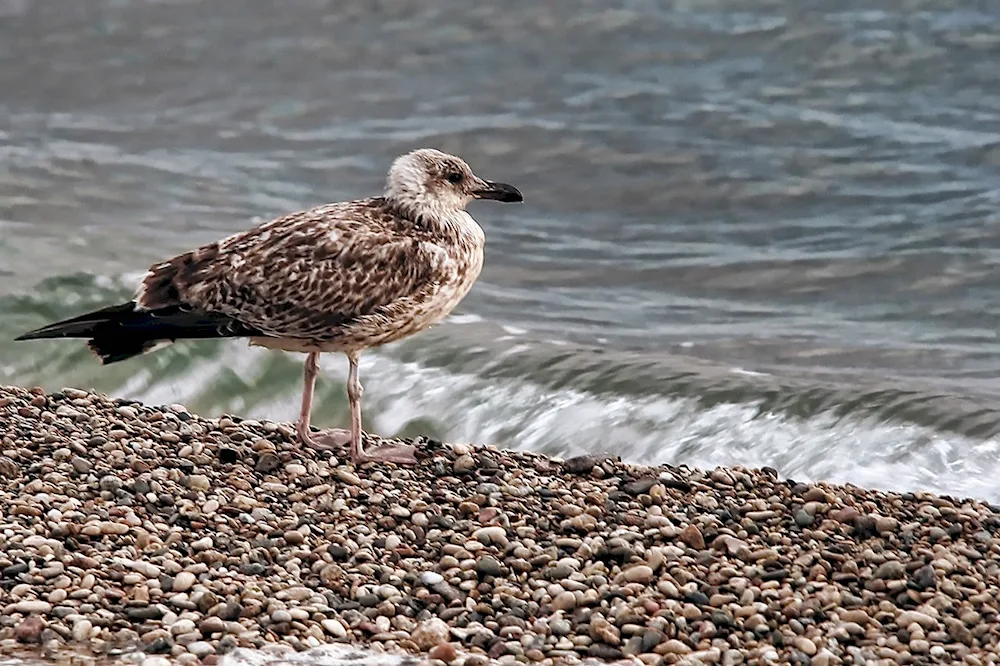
(342,277)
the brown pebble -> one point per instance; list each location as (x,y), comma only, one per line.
(846,515)
(815,494)
(29,630)
(445,652)
(692,536)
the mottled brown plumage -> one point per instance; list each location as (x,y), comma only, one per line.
(339,277)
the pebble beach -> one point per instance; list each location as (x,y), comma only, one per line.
(151,534)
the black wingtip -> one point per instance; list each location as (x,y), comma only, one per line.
(83,326)
(37,334)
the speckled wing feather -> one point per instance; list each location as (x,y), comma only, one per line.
(306,275)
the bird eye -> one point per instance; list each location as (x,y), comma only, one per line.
(454,178)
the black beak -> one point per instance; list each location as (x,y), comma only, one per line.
(499,192)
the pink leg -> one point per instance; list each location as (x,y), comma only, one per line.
(397,453)
(324,440)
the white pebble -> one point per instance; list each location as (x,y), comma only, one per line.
(148,569)
(182,626)
(127,412)
(199,482)
(184,581)
(201,649)
(431,578)
(348,477)
(295,469)
(334,628)
(32,606)
(81,630)
(492,534)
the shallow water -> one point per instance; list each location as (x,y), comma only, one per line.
(755,233)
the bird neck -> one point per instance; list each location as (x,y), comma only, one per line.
(440,222)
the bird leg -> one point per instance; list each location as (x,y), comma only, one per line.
(397,453)
(324,440)
(334,438)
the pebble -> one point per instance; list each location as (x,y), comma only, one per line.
(673,646)
(431,578)
(804,645)
(82,629)
(200,649)
(430,633)
(199,482)
(911,617)
(445,652)
(334,627)
(640,573)
(29,630)
(564,601)
(212,625)
(464,463)
(184,581)
(890,570)
(886,524)
(487,565)
(692,536)
(602,630)
(191,537)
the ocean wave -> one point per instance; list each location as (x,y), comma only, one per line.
(476,381)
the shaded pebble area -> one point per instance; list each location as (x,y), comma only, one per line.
(158,536)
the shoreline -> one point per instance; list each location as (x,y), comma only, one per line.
(136,528)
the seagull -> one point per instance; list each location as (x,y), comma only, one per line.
(340,277)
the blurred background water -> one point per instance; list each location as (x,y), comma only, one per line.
(760,233)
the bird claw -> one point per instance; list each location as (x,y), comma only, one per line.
(402,454)
(327,440)
(338,438)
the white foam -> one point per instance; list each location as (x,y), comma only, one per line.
(646,429)
(464,318)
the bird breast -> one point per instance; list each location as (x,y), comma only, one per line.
(460,269)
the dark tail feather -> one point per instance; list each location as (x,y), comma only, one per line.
(112,350)
(120,332)
(83,326)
